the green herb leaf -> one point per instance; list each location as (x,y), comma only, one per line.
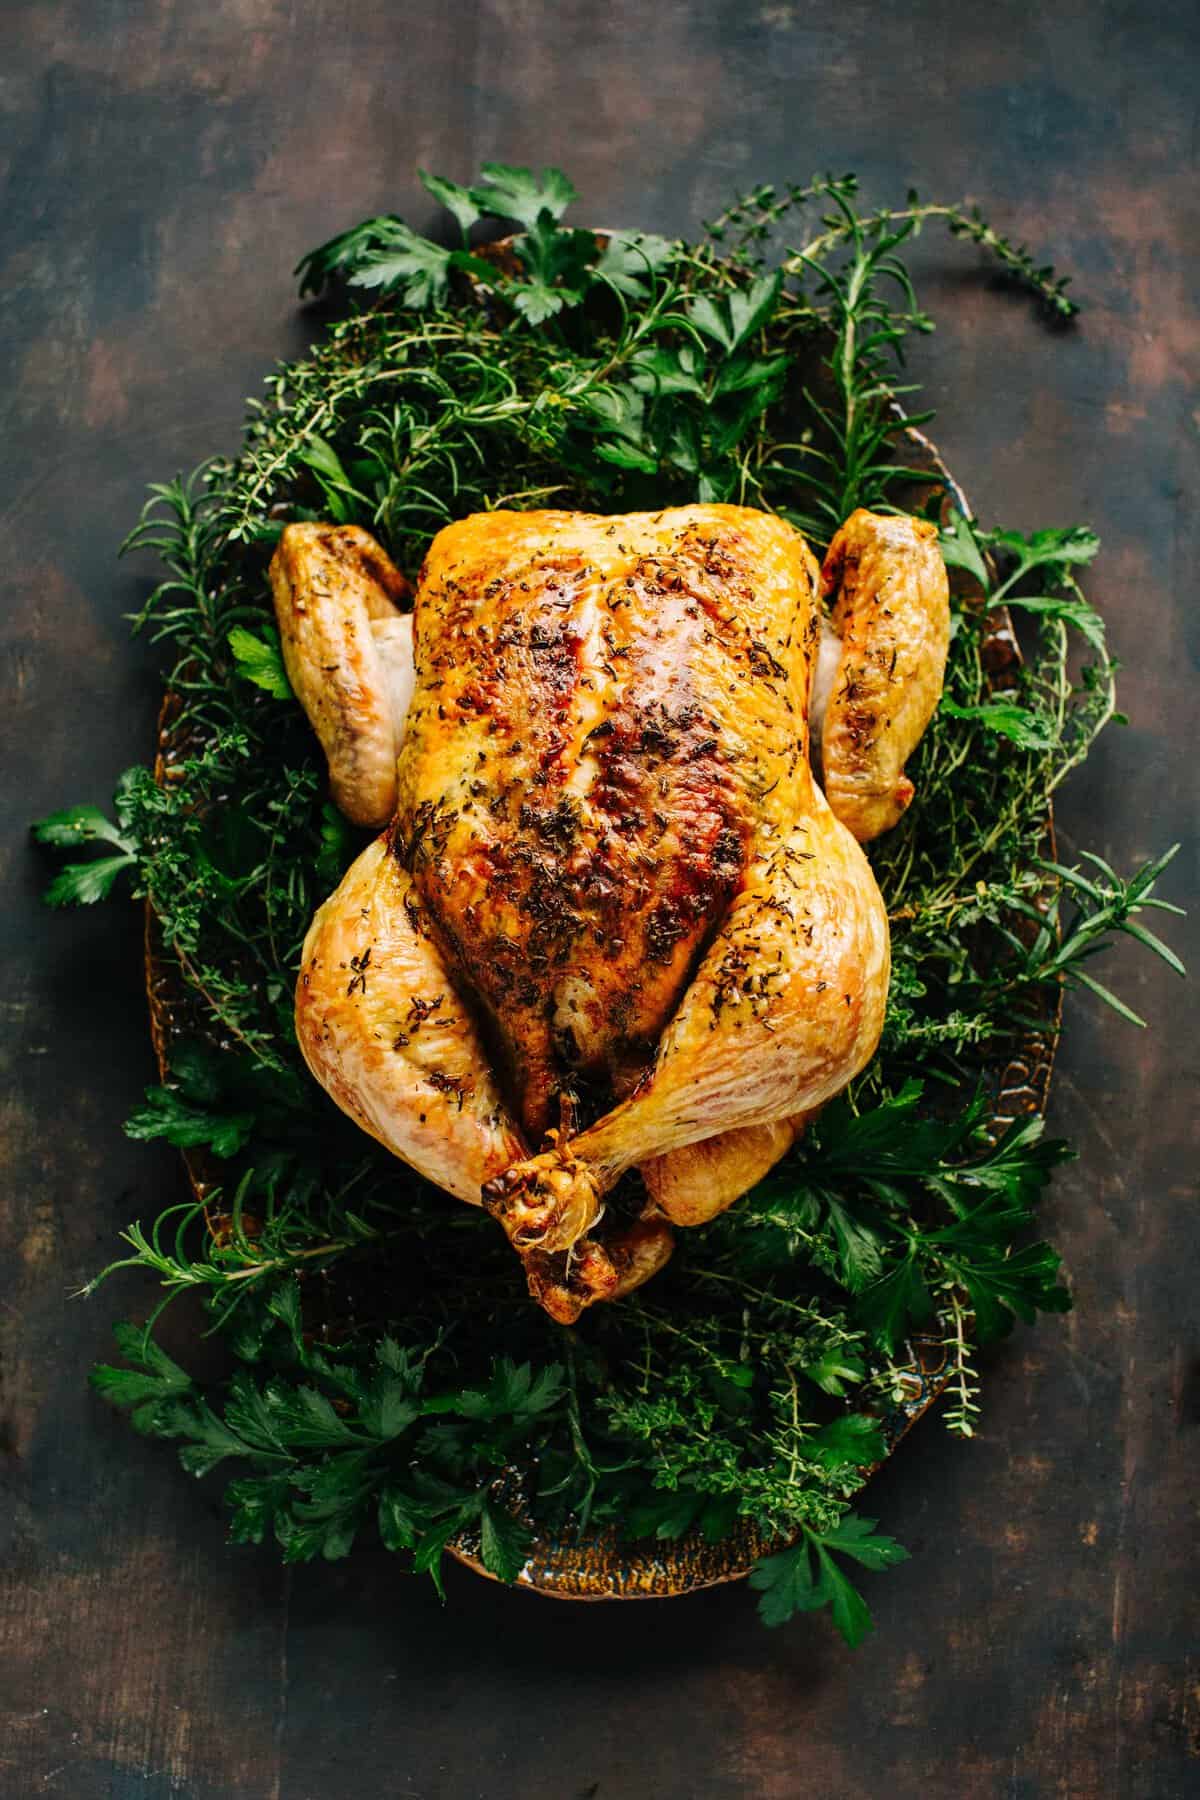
(789,1584)
(212,1440)
(1058,547)
(406,261)
(750,308)
(188,1124)
(338,846)
(631,259)
(255,1504)
(512,192)
(457,200)
(514,1392)
(624,454)
(1073,610)
(537,301)
(764,375)
(390,1408)
(886,1307)
(860,1249)
(834,1371)
(848,1609)
(80,825)
(1022,1284)
(505,1542)
(785,1581)
(427,1558)
(1008,719)
(340,255)
(960,548)
(857,1537)
(260,660)
(557,261)
(665,1515)
(83,884)
(661,372)
(153,1379)
(400,1519)
(854,1440)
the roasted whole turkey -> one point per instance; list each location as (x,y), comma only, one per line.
(614,920)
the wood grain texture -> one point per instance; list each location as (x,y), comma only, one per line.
(162,167)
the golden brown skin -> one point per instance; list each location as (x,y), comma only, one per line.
(563,1285)
(694,1183)
(600,706)
(786,1006)
(384,1030)
(611,856)
(891,613)
(348,652)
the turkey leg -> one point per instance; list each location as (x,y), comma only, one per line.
(876,680)
(785,1008)
(383,1030)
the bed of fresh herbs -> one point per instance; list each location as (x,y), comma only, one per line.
(388,1369)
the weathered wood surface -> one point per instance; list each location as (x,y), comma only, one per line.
(162,166)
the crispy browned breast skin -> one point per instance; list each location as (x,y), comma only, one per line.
(605,712)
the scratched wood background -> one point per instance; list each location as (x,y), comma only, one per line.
(163,164)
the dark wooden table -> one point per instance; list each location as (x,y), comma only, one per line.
(164,164)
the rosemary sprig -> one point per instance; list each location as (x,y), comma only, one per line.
(1102,905)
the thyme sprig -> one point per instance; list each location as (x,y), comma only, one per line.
(746,228)
(752,1387)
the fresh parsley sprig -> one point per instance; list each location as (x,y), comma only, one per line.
(337,1442)
(809,1575)
(897,1206)
(83,883)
